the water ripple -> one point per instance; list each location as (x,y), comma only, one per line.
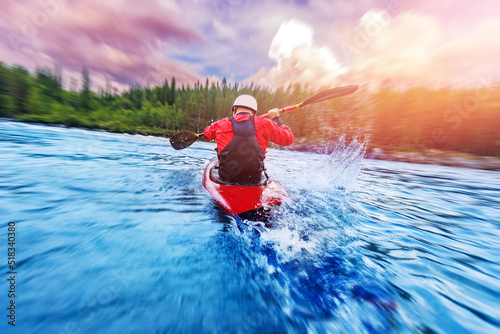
(114,228)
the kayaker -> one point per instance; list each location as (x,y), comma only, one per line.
(242,141)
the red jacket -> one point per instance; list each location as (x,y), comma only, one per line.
(265,131)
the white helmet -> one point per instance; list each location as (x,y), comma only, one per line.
(246,101)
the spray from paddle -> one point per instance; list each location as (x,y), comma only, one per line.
(311,252)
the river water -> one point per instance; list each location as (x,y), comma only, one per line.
(115,234)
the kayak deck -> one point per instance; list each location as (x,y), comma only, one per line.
(245,202)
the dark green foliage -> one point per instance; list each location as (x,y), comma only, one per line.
(85,94)
(50,83)
(171,93)
(6,100)
(414,119)
(19,83)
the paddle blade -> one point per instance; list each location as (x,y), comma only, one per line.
(330,94)
(183,139)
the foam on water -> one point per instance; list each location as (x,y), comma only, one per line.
(309,251)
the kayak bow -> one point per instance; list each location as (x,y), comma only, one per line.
(244,202)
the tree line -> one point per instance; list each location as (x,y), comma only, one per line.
(415,118)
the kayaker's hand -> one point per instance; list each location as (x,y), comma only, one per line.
(273,113)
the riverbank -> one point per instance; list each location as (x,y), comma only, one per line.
(438,157)
(427,156)
(139,130)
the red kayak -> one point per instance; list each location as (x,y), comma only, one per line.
(244,202)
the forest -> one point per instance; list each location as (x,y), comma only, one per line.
(393,118)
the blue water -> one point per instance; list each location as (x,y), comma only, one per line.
(114,234)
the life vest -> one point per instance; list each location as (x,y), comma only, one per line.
(242,160)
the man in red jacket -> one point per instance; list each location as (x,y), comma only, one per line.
(242,141)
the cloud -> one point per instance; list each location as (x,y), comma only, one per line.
(474,58)
(397,47)
(122,41)
(407,48)
(298,59)
(364,41)
(414,48)
(239,33)
(224,32)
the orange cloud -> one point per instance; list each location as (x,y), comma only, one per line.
(412,48)
(407,48)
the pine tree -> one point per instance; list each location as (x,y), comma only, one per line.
(171,93)
(19,88)
(85,92)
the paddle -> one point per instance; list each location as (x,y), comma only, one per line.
(323,96)
(182,140)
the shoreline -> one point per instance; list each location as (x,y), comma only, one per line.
(427,157)
(438,157)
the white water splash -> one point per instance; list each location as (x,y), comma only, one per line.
(318,183)
(340,168)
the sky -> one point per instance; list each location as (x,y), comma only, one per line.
(321,43)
